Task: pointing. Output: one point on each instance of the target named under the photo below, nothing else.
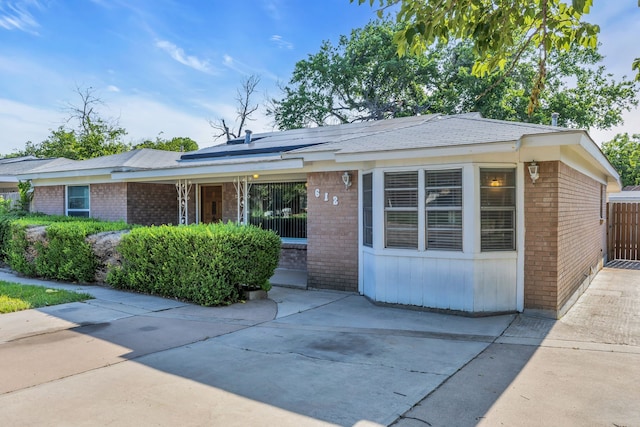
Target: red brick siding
(541, 243)
(108, 201)
(157, 204)
(564, 236)
(580, 231)
(332, 232)
(229, 202)
(49, 200)
(293, 256)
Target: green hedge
(205, 264)
(64, 255)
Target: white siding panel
(369, 274)
(495, 285)
(447, 283)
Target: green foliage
(578, 88)
(361, 78)
(98, 139)
(500, 30)
(623, 152)
(16, 297)
(173, 144)
(64, 254)
(205, 264)
(17, 249)
(26, 195)
(5, 205)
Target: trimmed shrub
(206, 264)
(53, 247)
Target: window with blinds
(367, 209)
(497, 209)
(401, 209)
(443, 205)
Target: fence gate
(623, 233)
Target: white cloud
(112, 88)
(179, 55)
(21, 123)
(280, 42)
(246, 69)
(273, 9)
(16, 16)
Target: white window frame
(499, 208)
(66, 201)
(421, 212)
(448, 208)
(388, 207)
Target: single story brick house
(457, 213)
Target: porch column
(242, 186)
(183, 187)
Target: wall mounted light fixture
(346, 179)
(534, 172)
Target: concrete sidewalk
(582, 370)
(319, 358)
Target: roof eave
(459, 150)
(190, 171)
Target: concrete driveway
(316, 358)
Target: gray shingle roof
(140, 159)
(18, 165)
(442, 131)
(284, 141)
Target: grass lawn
(16, 297)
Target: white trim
(520, 236)
(209, 171)
(458, 150)
(360, 231)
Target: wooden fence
(623, 234)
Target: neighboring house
(431, 211)
(12, 166)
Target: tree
(623, 152)
(500, 30)
(244, 110)
(93, 136)
(361, 78)
(174, 144)
(578, 88)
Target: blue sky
(170, 65)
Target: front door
(211, 203)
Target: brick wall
(108, 201)
(541, 243)
(580, 231)
(49, 200)
(332, 232)
(564, 235)
(157, 204)
(229, 202)
(293, 256)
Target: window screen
(443, 204)
(367, 210)
(401, 209)
(497, 209)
